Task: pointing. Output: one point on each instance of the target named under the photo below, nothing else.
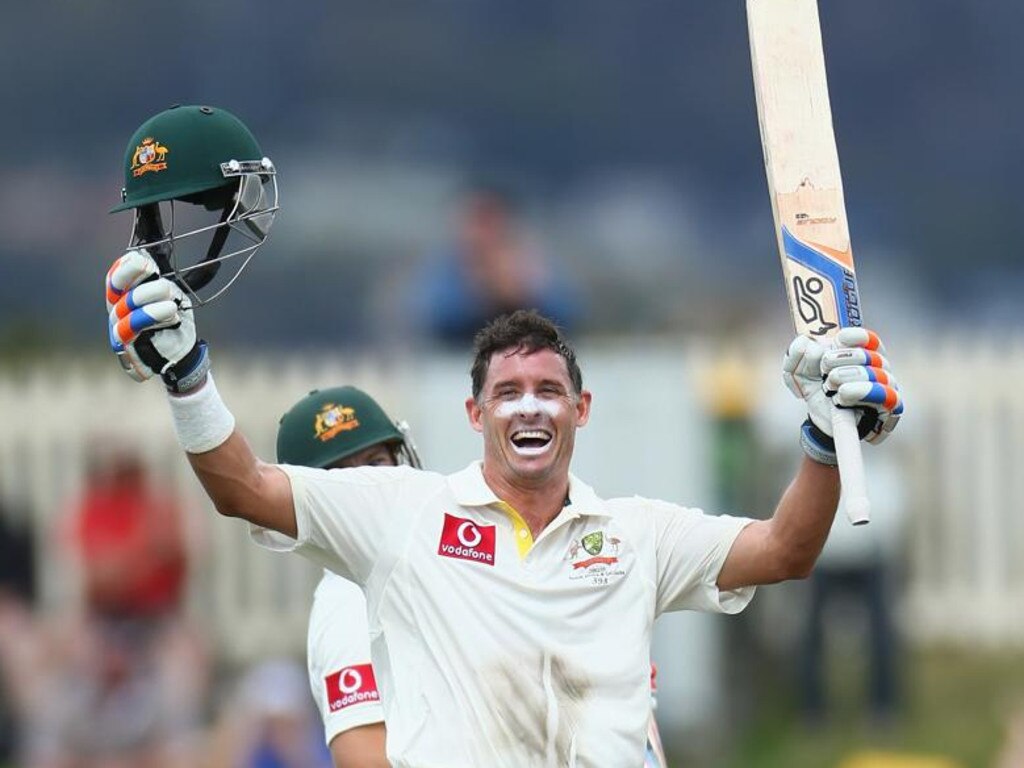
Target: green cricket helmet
(329, 425)
(207, 158)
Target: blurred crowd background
(441, 162)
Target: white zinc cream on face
(529, 405)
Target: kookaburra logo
(810, 308)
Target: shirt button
(523, 533)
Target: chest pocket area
(599, 557)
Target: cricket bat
(806, 191)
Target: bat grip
(851, 465)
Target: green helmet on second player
(206, 157)
(329, 425)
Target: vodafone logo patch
(351, 685)
(465, 540)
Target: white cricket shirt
(341, 677)
(494, 649)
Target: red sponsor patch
(465, 540)
(351, 685)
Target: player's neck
(538, 504)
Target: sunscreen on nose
(528, 405)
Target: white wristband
(201, 419)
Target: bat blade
(805, 185)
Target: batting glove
(151, 325)
(851, 372)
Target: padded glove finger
(127, 271)
(150, 306)
(151, 326)
(852, 372)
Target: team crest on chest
(595, 557)
(593, 543)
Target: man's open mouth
(531, 441)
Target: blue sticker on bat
(808, 291)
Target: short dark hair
(527, 331)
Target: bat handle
(851, 465)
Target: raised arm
(787, 545)
(152, 330)
(241, 485)
(854, 373)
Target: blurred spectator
(128, 680)
(270, 721)
(491, 267)
(858, 570)
(129, 538)
(18, 631)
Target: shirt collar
(471, 490)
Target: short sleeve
(338, 643)
(347, 519)
(691, 547)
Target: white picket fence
(964, 454)
(960, 450)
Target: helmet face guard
(181, 166)
(407, 451)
